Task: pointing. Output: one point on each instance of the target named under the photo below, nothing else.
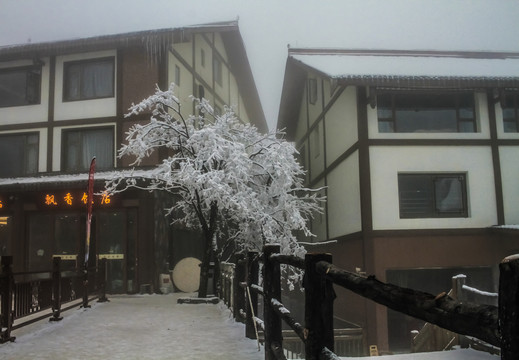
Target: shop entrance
(113, 237)
(116, 240)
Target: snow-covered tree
(225, 173)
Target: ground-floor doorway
(113, 237)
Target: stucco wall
(509, 156)
(475, 161)
(344, 198)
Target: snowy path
(136, 327)
(155, 327)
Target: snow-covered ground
(136, 327)
(155, 327)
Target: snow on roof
(506, 227)
(163, 36)
(336, 64)
(67, 178)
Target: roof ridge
(476, 54)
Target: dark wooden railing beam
(480, 321)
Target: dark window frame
(27, 152)
(510, 104)
(33, 74)
(202, 57)
(177, 75)
(431, 208)
(82, 63)
(312, 91)
(388, 115)
(65, 142)
(218, 70)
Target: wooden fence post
(6, 296)
(509, 307)
(56, 289)
(457, 287)
(271, 290)
(319, 297)
(85, 287)
(101, 278)
(240, 271)
(252, 278)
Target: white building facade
(419, 154)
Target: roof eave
(143, 38)
(291, 96)
(443, 82)
(240, 65)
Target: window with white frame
(79, 146)
(432, 195)
(19, 154)
(89, 79)
(20, 86)
(426, 111)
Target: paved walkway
(136, 327)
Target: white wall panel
(341, 125)
(344, 198)
(476, 162)
(83, 109)
(29, 113)
(510, 178)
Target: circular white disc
(186, 274)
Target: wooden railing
(26, 297)
(498, 326)
(433, 338)
(240, 291)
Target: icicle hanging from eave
(156, 45)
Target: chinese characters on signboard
(70, 199)
(61, 200)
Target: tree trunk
(204, 268)
(480, 321)
(209, 230)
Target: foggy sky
(268, 26)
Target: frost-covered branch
(224, 172)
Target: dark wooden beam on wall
(496, 160)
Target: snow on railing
(479, 292)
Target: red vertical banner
(90, 200)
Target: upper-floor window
(177, 75)
(202, 57)
(312, 90)
(80, 145)
(217, 70)
(20, 86)
(426, 112)
(511, 113)
(19, 154)
(88, 79)
(432, 195)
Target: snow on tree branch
(222, 168)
